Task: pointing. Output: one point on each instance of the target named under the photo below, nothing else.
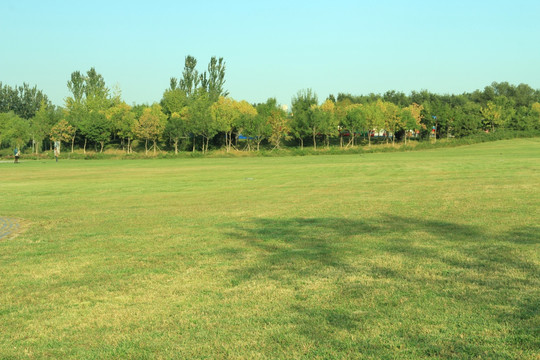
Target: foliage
(62, 131)
(303, 123)
(23, 100)
(122, 121)
(150, 125)
(14, 130)
(87, 106)
(40, 125)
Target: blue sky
(272, 48)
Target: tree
(257, 126)
(214, 82)
(278, 121)
(122, 120)
(200, 119)
(246, 112)
(391, 114)
(340, 113)
(190, 77)
(62, 132)
(40, 126)
(536, 115)
(23, 100)
(374, 118)
(176, 127)
(89, 102)
(355, 120)
(492, 114)
(98, 128)
(150, 126)
(14, 130)
(468, 120)
(410, 119)
(175, 105)
(328, 121)
(225, 113)
(302, 123)
(174, 101)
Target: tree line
(196, 113)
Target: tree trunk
(314, 142)
(369, 138)
(72, 143)
(146, 147)
(340, 140)
(176, 146)
(154, 147)
(129, 146)
(301, 144)
(102, 145)
(84, 149)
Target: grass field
(390, 255)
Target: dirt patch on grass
(11, 227)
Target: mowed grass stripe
(401, 255)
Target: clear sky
(272, 48)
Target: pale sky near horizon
(272, 48)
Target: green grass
(387, 255)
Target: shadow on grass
(465, 258)
(296, 246)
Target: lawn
(387, 255)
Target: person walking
(56, 150)
(17, 154)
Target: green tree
(340, 113)
(246, 114)
(40, 126)
(215, 80)
(355, 121)
(391, 114)
(200, 119)
(23, 100)
(190, 77)
(89, 102)
(328, 120)
(177, 128)
(175, 105)
(302, 122)
(122, 120)
(98, 129)
(374, 117)
(258, 126)
(14, 130)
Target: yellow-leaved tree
(150, 126)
